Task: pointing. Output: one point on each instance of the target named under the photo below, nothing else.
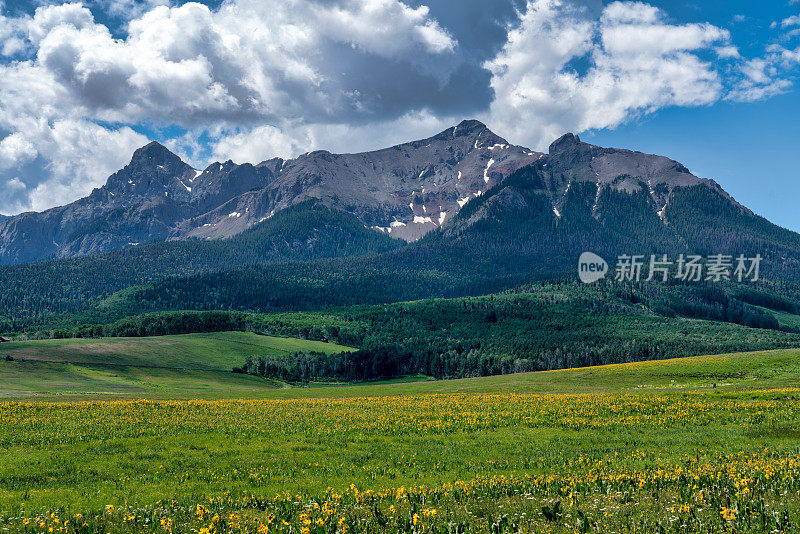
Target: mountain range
(461, 213)
(405, 191)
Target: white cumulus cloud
(794, 20)
(71, 93)
(565, 70)
(247, 61)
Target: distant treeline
(158, 324)
(716, 302)
(361, 365)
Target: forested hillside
(508, 237)
(550, 326)
(39, 291)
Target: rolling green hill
(742, 371)
(179, 365)
(544, 328)
(541, 327)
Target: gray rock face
(404, 191)
(571, 161)
(154, 171)
(96, 223)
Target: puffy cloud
(727, 52)
(248, 61)
(787, 57)
(634, 63)
(794, 20)
(15, 150)
(756, 71)
(15, 184)
(11, 35)
(50, 18)
(383, 27)
(227, 70)
(44, 145)
(47, 146)
(258, 144)
(264, 142)
(65, 160)
(128, 9)
(13, 191)
(80, 156)
(343, 137)
(766, 76)
(641, 33)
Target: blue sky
(750, 148)
(711, 84)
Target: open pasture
(649, 458)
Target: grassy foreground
(647, 447)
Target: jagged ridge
(404, 191)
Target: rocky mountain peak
(468, 132)
(154, 152)
(468, 126)
(563, 143)
(153, 171)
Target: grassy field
(199, 366)
(190, 365)
(642, 447)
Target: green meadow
(699, 444)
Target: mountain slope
(581, 197)
(304, 232)
(147, 190)
(405, 191)
(529, 227)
